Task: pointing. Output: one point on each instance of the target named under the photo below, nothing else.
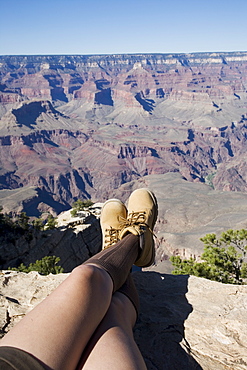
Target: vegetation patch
(80, 205)
(223, 259)
(45, 266)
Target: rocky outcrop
(187, 212)
(28, 116)
(191, 323)
(72, 246)
(184, 323)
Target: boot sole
(153, 223)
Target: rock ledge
(185, 322)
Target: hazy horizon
(114, 54)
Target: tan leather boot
(113, 214)
(142, 215)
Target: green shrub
(51, 223)
(22, 221)
(9, 225)
(209, 179)
(38, 224)
(223, 258)
(80, 205)
(45, 266)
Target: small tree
(223, 258)
(22, 221)
(45, 266)
(38, 224)
(80, 205)
(51, 223)
(6, 220)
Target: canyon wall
(98, 126)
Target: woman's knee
(91, 274)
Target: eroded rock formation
(73, 123)
(72, 246)
(98, 126)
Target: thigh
(57, 330)
(113, 346)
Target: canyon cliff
(99, 126)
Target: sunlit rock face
(99, 126)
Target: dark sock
(129, 289)
(118, 259)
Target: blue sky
(116, 27)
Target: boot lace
(111, 237)
(137, 219)
(134, 219)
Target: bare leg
(112, 346)
(57, 330)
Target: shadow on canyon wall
(73, 248)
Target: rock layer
(98, 126)
(70, 164)
(80, 126)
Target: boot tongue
(128, 230)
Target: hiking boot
(142, 215)
(113, 214)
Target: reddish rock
(91, 124)
(9, 98)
